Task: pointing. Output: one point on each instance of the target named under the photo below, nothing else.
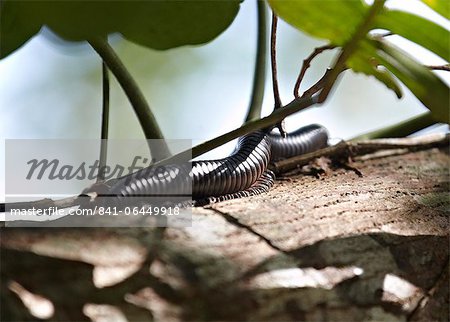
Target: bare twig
(350, 148)
(105, 123)
(317, 86)
(295, 106)
(307, 100)
(273, 60)
(307, 64)
(445, 67)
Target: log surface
(365, 242)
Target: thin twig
(273, 60)
(146, 118)
(445, 67)
(307, 64)
(345, 149)
(294, 106)
(317, 86)
(105, 123)
(259, 77)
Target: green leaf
(364, 61)
(15, 28)
(440, 6)
(416, 29)
(334, 20)
(339, 20)
(157, 24)
(423, 83)
(170, 24)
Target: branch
(319, 85)
(273, 61)
(146, 118)
(344, 149)
(307, 64)
(105, 123)
(351, 47)
(259, 78)
(296, 105)
(277, 115)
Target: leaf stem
(402, 129)
(259, 78)
(306, 64)
(145, 116)
(105, 123)
(351, 46)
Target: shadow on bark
(378, 275)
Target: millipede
(244, 173)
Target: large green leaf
(363, 61)
(425, 85)
(158, 24)
(15, 28)
(416, 29)
(440, 6)
(334, 20)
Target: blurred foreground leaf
(155, 24)
(422, 82)
(440, 6)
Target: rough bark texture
(366, 242)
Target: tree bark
(333, 240)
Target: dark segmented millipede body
(242, 173)
(304, 140)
